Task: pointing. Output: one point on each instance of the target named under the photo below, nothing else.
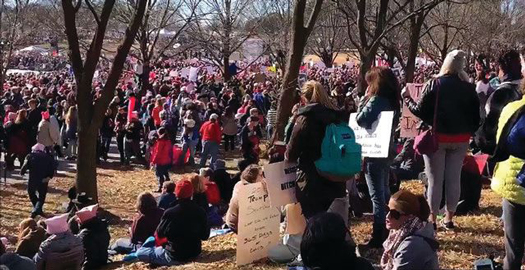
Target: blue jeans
(209, 148)
(188, 145)
(376, 175)
(155, 256)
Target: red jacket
(156, 116)
(161, 152)
(211, 132)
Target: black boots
(379, 235)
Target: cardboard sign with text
(280, 180)
(258, 224)
(375, 142)
(409, 121)
(295, 220)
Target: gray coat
(418, 251)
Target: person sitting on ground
(407, 165)
(95, 237)
(30, 237)
(223, 180)
(324, 245)
(241, 166)
(41, 166)
(14, 261)
(60, 241)
(168, 195)
(411, 243)
(184, 226)
(161, 157)
(144, 224)
(199, 191)
(252, 174)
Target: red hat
(184, 189)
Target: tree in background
(91, 108)
(301, 30)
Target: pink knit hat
(57, 224)
(45, 115)
(87, 213)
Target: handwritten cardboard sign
(184, 72)
(258, 224)
(375, 142)
(295, 220)
(409, 121)
(193, 74)
(280, 180)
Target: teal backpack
(340, 154)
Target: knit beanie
(184, 189)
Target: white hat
(38, 148)
(214, 116)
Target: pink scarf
(395, 238)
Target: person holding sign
(450, 104)
(315, 193)
(383, 94)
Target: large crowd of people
(182, 120)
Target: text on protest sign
(280, 180)
(409, 121)
(258, 224)
(375, 142)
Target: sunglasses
(394, 214)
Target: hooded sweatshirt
(418, 251)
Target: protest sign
(280, 180)
(409, 121)
(173, 73)
(375, 142)
(258, 224)
(193, 74)
(184, 72)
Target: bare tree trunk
(327, 58)
(367, 60)
(226, 68)
(300, 35)
(416, 23)
(86, 165)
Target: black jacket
(185, 225)
(314, 192)
(486, 136)
(458, 105)
(40, 165)
(223, 180)
(95, 237)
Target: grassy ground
(478, 235)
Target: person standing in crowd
(508, 180)
(155, 114)
(71, 133)
(120, 129)
(383, 94)
(48, 134)
(34, 117)
(184, 225)
(134, 133)
(251, 136)
(161, 156)
(272, 120)
(107, 131)
(41, 166)
(507, 91)
(315, 193)
(411, 243)
(457, 118)
(229, 129)
(190, 138)
(324, 245)
(17, 141)
(211, 139)
(144, 224)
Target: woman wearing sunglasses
(411, 243)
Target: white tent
(34, 49)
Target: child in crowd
(168, 198)
(161, 157)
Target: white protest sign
(184, 72)
(258, 224)
(409, 121)
(210, 69)
(375, 142)
(193, 74)
(173, 73)
(280, 180)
